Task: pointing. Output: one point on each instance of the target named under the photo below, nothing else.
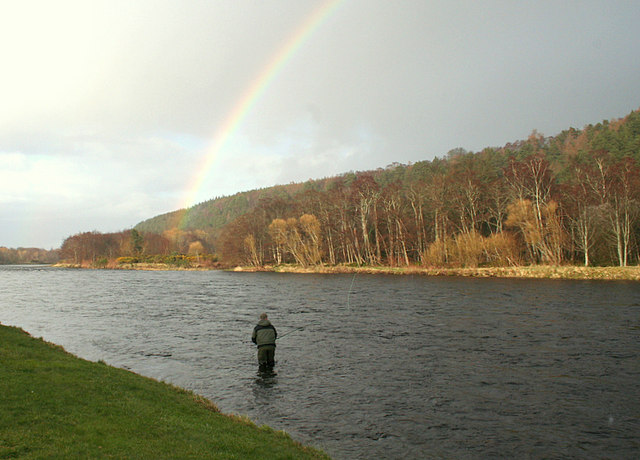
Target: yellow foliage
(469, 248)
(196, 248)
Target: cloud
(109, 107)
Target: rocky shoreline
(524, 272)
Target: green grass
(55, 405)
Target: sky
(112, 112)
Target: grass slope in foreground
(55, 405)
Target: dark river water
(372, 366)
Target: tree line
(13, 256)
(573, 198)
(173, 247)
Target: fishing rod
(287, 333)
(294, 330)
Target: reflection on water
(372, 366)
(266, 373)
(264, 382)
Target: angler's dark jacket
(264, 334)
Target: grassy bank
(55, 405)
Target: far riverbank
(524, 272)
(534, 271)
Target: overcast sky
(110, 110)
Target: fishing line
(287, 333)
(349, 294)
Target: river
(371, 366)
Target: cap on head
(263, 316)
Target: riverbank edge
(569, 272)
(51, 394)
(525, 272)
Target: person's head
(263, 316)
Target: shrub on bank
(173, 260)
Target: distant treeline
(573, 198)
(9, 256)
(175, 247)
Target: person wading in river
(264, 336)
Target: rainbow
(253, 93)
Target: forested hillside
(571, 198)
(213, 215)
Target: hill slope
(214, 214)
(620, 137)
